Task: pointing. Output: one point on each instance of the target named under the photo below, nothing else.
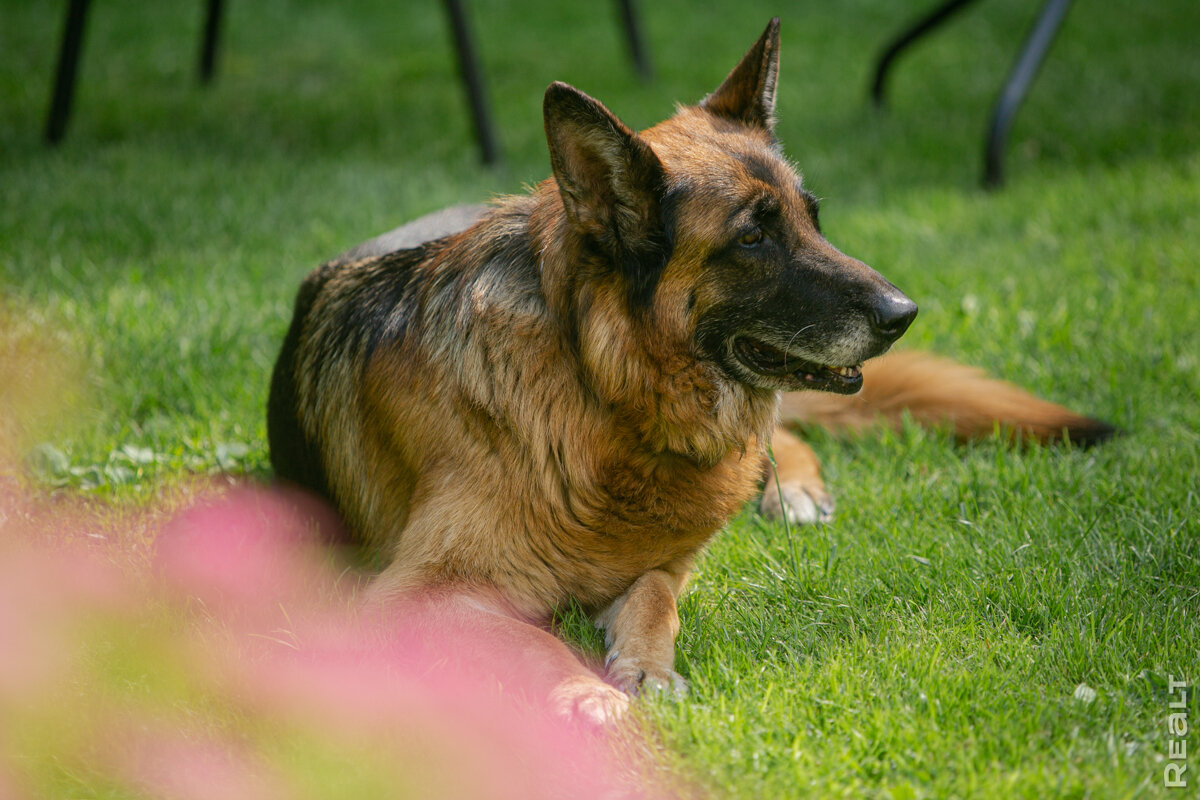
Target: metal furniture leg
(464, 45)
(476, 93)
(208, 46)
(1019, 79)
(929, 22)
(633, 33)
(68, 68)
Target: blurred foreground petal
(242, 667)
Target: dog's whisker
(788, 349)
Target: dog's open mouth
(765, 359)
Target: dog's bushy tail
(937, 391)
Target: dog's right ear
(610, 180)
(748, 93)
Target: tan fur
(936, 391)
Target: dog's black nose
(892, 315)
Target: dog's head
(708, 224)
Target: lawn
(978, 621)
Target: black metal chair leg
(68, 68)
(1019, 79)
(476, 93)
(633, 33)
(923, 26)
(208, 46)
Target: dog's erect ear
(748, 93)
(610, 180)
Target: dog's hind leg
(640, 628)
(794, 487)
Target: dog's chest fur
(564, 483)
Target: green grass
(930, 642)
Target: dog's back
(295, 456)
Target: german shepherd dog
(563, 396)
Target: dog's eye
(751, 238)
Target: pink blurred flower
(172, 763)
(242, 667)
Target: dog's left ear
(611, 184)
(748, 93)
(609, 178)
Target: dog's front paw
(588, 700)
(800, 504)
(634, 676)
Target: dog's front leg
(640, 628)
(482, 636)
